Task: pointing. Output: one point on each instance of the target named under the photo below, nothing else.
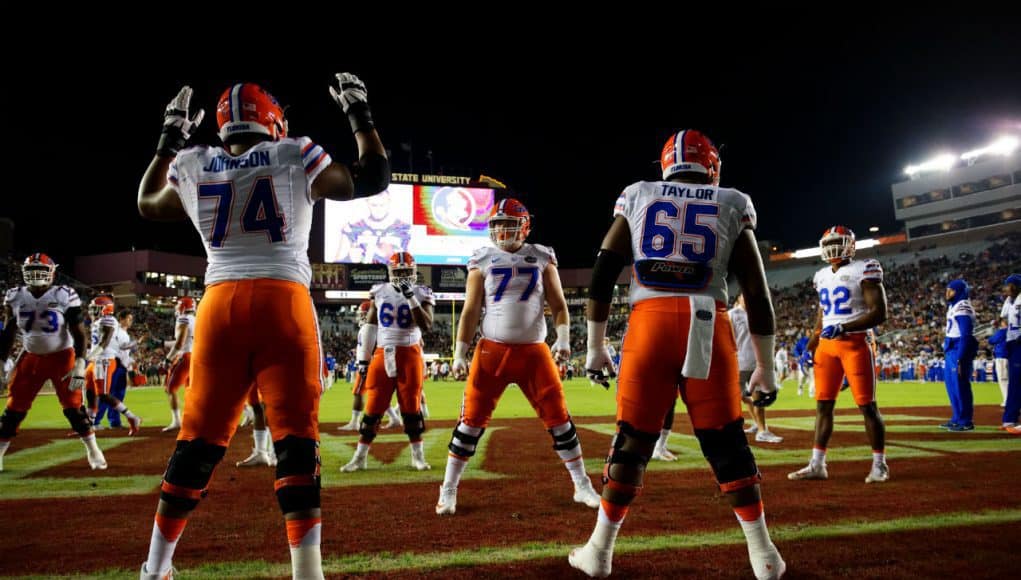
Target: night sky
(815, 127)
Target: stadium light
(1003, 146)
(874, 229)
(816, 251)
(941, 162)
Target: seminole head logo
(454, 208)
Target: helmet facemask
(836, 248)
(38, 274)
(507, 233)
(403, 275)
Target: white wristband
(596, 334)
(764, 350)
(413, 302)
(460, 349)
(564, 333)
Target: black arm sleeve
(7, 337)
(370, 174)
(73, 319)
(604, 275)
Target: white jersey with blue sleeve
(958, 309)
(188, 319)
(112, 347)
(515, 295)
(393, 314)
(840, 293)
(682, 235)
(253, 211)
(41, 320)
(1013, 309)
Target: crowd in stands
(913, 334)
(914, 331)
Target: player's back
(188, 319)
(253, 210)
(112, 347)
(682, 236)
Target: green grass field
(583, 400)
(593, 407)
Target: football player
(49, 319)
(251, 202)
(513, 279)
(852, 300)
(390, 357)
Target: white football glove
(460, 366)
(177, 125)
(76, 376)
(597, 361)
(352, 90)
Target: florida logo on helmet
(248, 108)
(509, 225)
(39, 270)
(836, 245)
(689, 151)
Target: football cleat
(586, 494)
(812, 471)
(447, 504)
(594, 562)
(255, 459)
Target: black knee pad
(414, 425)
(369, 427)
(459, 439)
(728, 453)
(618, 455)
(79, 420)
(9, 423)
(297, 485)
(624, 492)
(567, 440)
(188, 473)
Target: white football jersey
(188, 319)
(393, 315)
(682, 235)
(515, 295)
(960, 308)
(124, 346)
(1013, 316)
(780, 358)
(254, 211)
(94, 333)
(41, 320)
(840, 294)
(114, 346)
